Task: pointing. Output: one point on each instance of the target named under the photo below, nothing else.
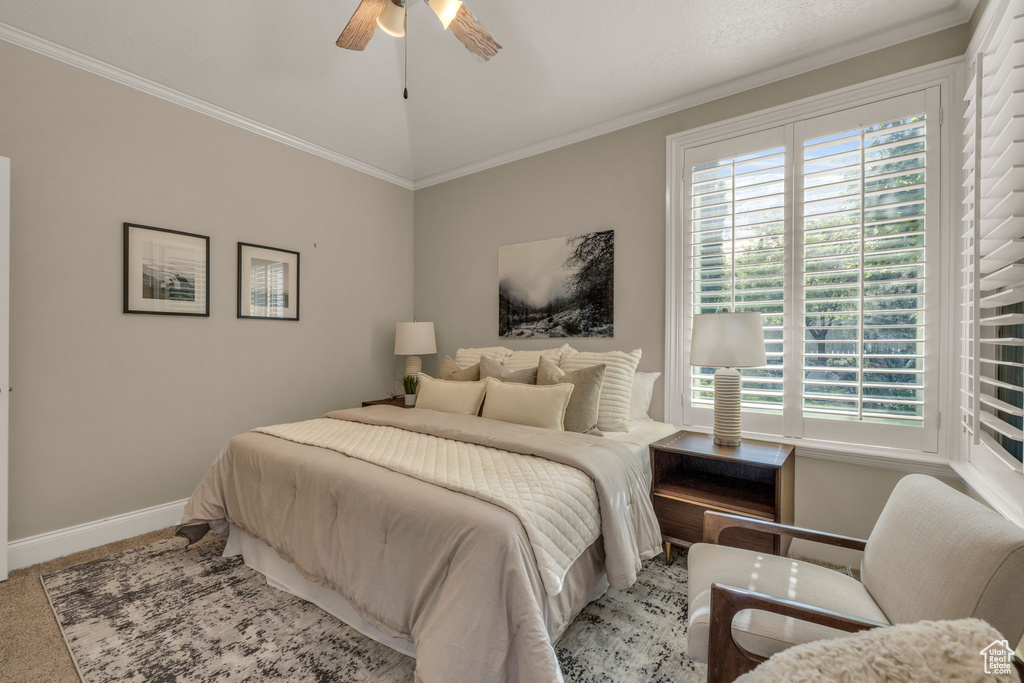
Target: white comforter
(557, 504)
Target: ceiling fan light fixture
(392, 19)
(445, 10)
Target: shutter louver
(992, 340)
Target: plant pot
(410, 400)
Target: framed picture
(563, 287)
(166, 272)
(268, 282)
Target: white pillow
(521, 360)
(528, 404)
(613, 413)
(467, 357)
(450, 396)
(643, 392)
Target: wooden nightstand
(691, 474)
(398, 401)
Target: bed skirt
(283, 575)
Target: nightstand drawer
(683, 522)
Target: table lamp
(727, 341)
(412, 339)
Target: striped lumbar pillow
(613, 411)
(520, 360)
(468, 357)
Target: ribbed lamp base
(413, 366)
(727, 407)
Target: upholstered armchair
(934, 554)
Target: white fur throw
(928, 651)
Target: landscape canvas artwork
(558, 288)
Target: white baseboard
(44, 547)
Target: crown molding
(954, 16)
(47, 48)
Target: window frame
(942, 250)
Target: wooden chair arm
(727, 659)
(717, 522)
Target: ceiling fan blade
(361, 26)
(475, 37)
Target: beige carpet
(31, 646)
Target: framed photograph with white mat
(268, 282)
(166, 272)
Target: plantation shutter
(734, 224)
(992, 331)
(827, 227)
(866, 189)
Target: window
(826, 226)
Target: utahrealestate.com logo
(998, 658)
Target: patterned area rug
(159, 613)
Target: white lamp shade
(392, 19)
(445, 10)
(412, 339)
(727, 340)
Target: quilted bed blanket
(556, 503)
(455, 532)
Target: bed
(448, 537)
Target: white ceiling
(566, 66)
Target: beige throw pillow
(528, 405)
(613, 415)
(520, 360)
(492, 368)
(448, 396)
(581, 413)
(467, 357)
(450, 370)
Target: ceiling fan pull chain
(405, 44)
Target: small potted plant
(411, 383)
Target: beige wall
(617, 181)
(112, 413)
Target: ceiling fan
(389, 15)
